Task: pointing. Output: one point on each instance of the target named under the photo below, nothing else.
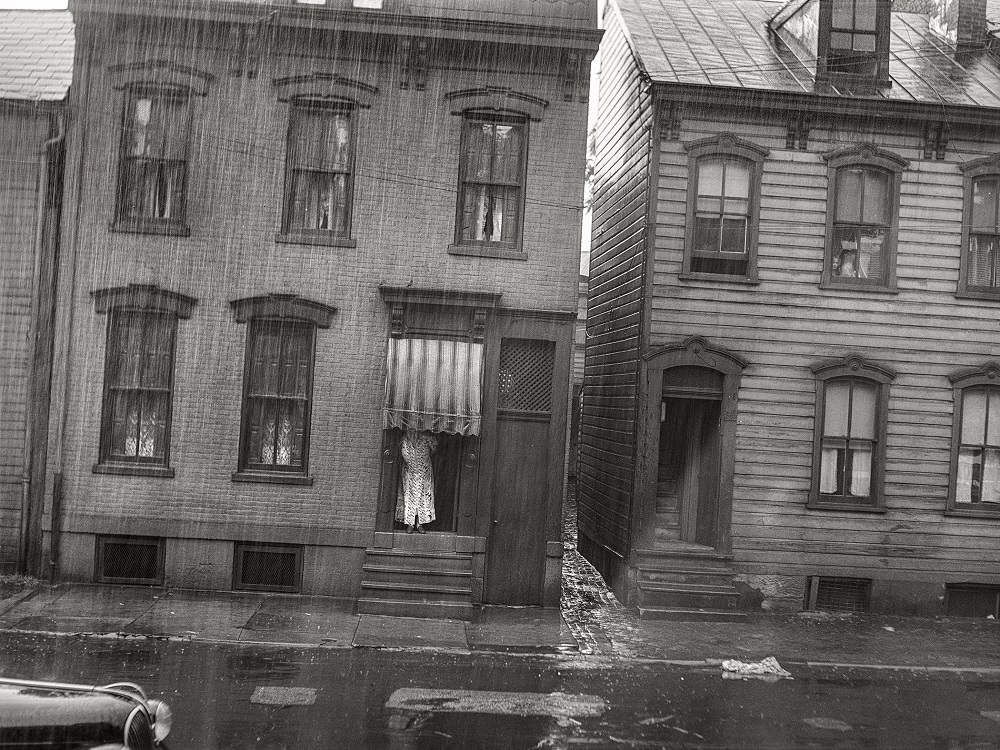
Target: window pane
(265, 353)
(841, 40)
(156, 127)
(507, 165)
(860, 462)
(710, 177)
(863, 43)
(836, 408)
(125, 341)
(876, 208)
(707, 234)
(737, 180)
(709, 205)
(490, 213)
(969, 473)
(843, 14)
(296, 360)
(993, 419)
(864, 15)
(984, 204)
(138, 424)
(152, 188)
(478, 151)
(276, 431)
(319, 201)
(871, 255)
(983, 260)
(831, 475)
(844, 262)
(322, 140)
(863, 411)
(734, 235)
(849, 195)
(973, 417)
(157, 351)
(991, 477)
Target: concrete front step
(406, 575)
(710, 576)
(419, 560)
(405, 608)
(417, 591)
(683, 555)
(681, 614)
(687, 599)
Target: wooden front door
(516, 551)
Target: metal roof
(727, 43)
(36, 54)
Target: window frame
(985, 377)
(303, 235)
(486, 248)
(971, 171)
(148, 300)
(852, 368)
(867, 157)
(123, 221)
(880, 55)
(278, 308)
(724, 146)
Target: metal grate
(138, 731)
(129, 560)
(267, 567)
(840, 594)
(972, 600)
(525, 378)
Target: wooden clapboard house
(792, 381)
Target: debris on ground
(768, 667)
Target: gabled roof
(36, 54)
(727, 43)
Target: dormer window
(854, 41)
(852, 37)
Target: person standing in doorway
(415, 502)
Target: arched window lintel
(866, 154)
(143, 297)
(987, 374)
(726, 144)
(283, 306)
(160, 74)
(496, 99)
(699, 352)
(321, 86)
(853, 366)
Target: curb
(10, 602)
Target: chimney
(961, 22)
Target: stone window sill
(151, 226)
(305, 238)
(266, 477)
(486, 251)
(138, 470)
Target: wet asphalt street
(232, 696)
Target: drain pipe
(44, 166)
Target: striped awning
(434, 385)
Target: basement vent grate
(129, 559)
(268, 567)
(972, 600)
(839, 594)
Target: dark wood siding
(614, 312)
(788, 323)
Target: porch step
(402, 575)
(417, 592)
(404, 608)
(687, 596)
(416, 581)
(691, 615)
(692, 574)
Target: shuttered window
(276, 404)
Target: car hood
(29, 706)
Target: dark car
(36, 714)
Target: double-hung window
(320, 167)
(138, 378)
(153, 168)
(975, 472)
(723, 203)
(862, 209)
(850, 435)
(277, 386)
(980, 271)
(491, 190)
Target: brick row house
(792, 378)
(36, 53)
(324, 271)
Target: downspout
(44, 166)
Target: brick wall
(403, 219)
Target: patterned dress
(415, 503)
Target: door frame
(694, 351)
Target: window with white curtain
(977, 477)
(848, 443)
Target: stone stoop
(686, 583)
(416, 583)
